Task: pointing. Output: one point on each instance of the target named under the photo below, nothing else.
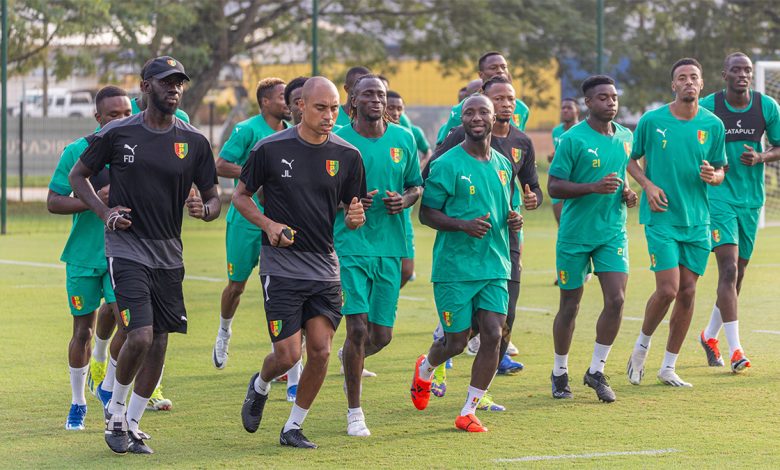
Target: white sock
(297, 416)
(472, 400)
(118, 401)
(732, 335)
(599, 359)
(560, 364)
(108, 381)
(713, 327)
(78, 379)
(100, 349)
(642, 342)
(261, 386)
(224, 326)
(135, 410)
(294, 374)
(670, 359)
(426, 369)
(355, 414)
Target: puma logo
(594, 151)
(662, 132)
(288, 163)
(132, 149)
(467, 178)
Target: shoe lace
(712, 343)
(486, 400)
(157, 393)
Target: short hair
(293, 85)
(383, 78)
(109, 91)
(569, 98)
(595, 80)
(265, 86)
(352, 110)
(495, 81)
(686, 61)
(355, 72)
(463, 90)
(485, 57)
(393, 94)
(731, 56)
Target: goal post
(766, 79)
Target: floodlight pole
(599, 36)
(4, 119)
(315, 7)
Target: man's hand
(750, 157)
(394, 202)
(608, 184)
(356, 216)
(195, 205)
(515, 221)
(707, 172)
(117, 218)
(103, 194)
(279, 235)
(478, 227)
(368, 200)
(629, 196)
(656, 198)
(530, 201)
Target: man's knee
(381, 337)
(235, 288)
(666, 292)
(357, 328)
(613, 302)
(728, 274)
(140, 339)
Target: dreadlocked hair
(352, 110)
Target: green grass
(724, 420)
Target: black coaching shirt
(518, 148)
(151, 172)
(303, 185)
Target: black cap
(161, 67)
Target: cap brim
(168, 73)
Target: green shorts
(573, 260)
(409, 229)
(242, 244)
(733, 225)
(371, 284)
(458, 301)
(86, 287)
(556, 201)
(671, 246)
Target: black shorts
(290, 303)
(148, 297)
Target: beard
(162, 105)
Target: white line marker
(536, 458)
(532, 309)
(413, 299)
(33, 264)
(771, 332)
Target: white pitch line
(533, 309)
(536, 458)
(34, 264)
(413, 299)
(771, 332)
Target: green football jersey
(557, 132)
(744, 185)
(465, 188)
(586, 156)
(674, 150)
(236, 150)
(391, 164)
(419, 138)
(519, 118)
(85, 246)
(342, 119)
(180, 113)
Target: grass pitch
(724, 420)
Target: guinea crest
(181, 149)
(517, 154)
(516, 119)
(275, 326)
(503, 176)
(627, 148)
(716, 236)
(396, 154)
(76, 302)
(447, 317)
(701, 136)
(332, 167)
(125, 316)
